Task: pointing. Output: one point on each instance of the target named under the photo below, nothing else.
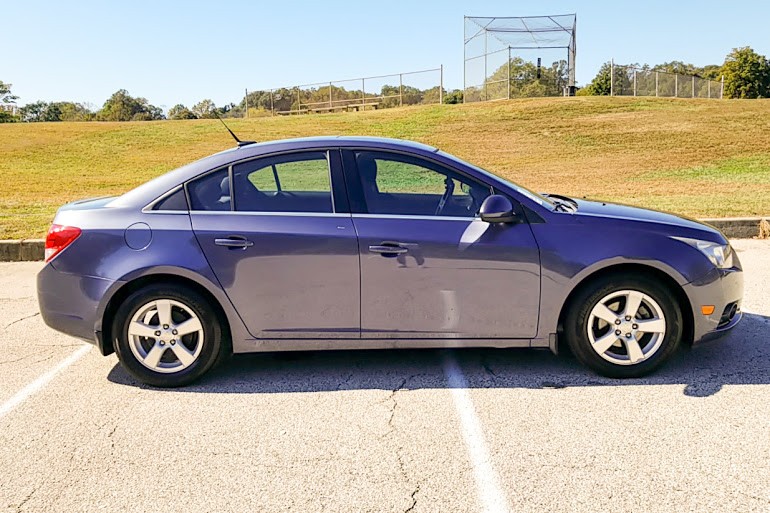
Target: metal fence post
(612, 77)
(709, 86)
(722, 91)
(676, 86)
(330, 95)
(656, 84)
(363, 92)
(486, 96)
(247, 103)
(693, 86)
(509, 72)
(401, 90)
(272, 109)
(634, 82)
(441, 85)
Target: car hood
(625, 212)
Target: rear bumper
(70, 303)
(723, 289)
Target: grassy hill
(703, 158)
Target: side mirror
(497, 209)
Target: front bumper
(71, 303)
(723, 289)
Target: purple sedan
(368, 243)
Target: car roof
(148, 191)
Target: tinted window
(403, 185)
(174, 201)
(210, 192)
(297, 182)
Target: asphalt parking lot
(476, 430)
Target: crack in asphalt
(28, 497)
(22, 319)
(399, 449)
(28, 356)
(414, 499)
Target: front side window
(296, 182)
(403, 185)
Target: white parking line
(26, 392)
(487, 479)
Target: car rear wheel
(622, 326)
(167, 335)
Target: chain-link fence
(632, 81)
(367, 93)
(519, 57)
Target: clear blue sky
(183, 51)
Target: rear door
(279, 236)
(430, 268)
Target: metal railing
(633, 81)
(382, 91)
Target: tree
(747, 74)
(121, 106)
(604, 82)
(32, 112)
(181, 112)
(453, 97)
(7, 97)
(204, 109)
(55, 111)
(5, 93)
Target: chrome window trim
(167, 212)
(273, 214)
(423, 217)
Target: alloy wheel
(626, 327)
(165, 336)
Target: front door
(429, 267)
(282, 244)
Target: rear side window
(176, 201)
(210, 192)
(297, 182)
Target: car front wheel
(623, 327)
(167, 335)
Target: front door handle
(234, 242)
(389, 248)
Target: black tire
(579, 310)
(215, 347)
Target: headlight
(721, 255)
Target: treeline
(121, 106)
(746, 74)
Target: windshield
(537, 198)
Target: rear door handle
(234, 242)
(389, 248)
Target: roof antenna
(240, 143)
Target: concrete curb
(34, 249)
(22, 250)
(738, 227)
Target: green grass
(702, 158)
(739, 170)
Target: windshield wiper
(562, 203)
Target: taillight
(59, 237)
